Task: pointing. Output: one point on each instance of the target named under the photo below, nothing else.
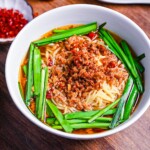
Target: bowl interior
(73, 14)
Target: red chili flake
(73, 51)
(50, 62)
(11, 22)
(35, 14)
(77, 63)
(92, 35)
(112, 64)
(61, 85)
(49, 94)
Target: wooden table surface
(18, 133)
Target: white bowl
(20, 5)
(73, 14)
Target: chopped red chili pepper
(49, 94)
(74, 51)
(112, 64)
(36, 14)
(50, 62)
(92, 35)
(11, 22)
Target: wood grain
(18, 133)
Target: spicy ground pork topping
(78, 66)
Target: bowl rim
(33, 119)
(4, 40)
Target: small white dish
(77, 14)
(20, 5)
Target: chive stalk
(85, 125)
(80, 114)
(102, 25)
(131, 100)
(101, 119)
(139, 67)
(72, 121)
(37, 75)
(49, 111)
(110, 112)
(85, 120)
(20, 89)
(40, 105)
(44, 95)
(91, 125)
(131, 60)
(140, 57)
(29, 76)
(50, 121)
(81, 30)
(120, 54)
(58, 30)
(37, 70)
(66, 126)
(25, 70)
(122, 102)
(84, 114)
(101, 112)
